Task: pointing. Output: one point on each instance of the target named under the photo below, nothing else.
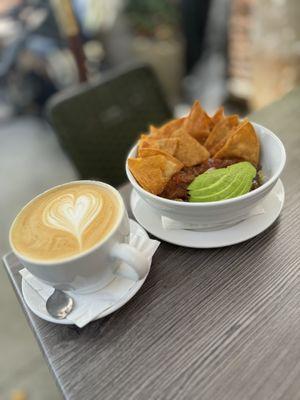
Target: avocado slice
(212, 187)
(222, 183)
(243, 188)
(220, 193)
(208, 176)
(239, 189)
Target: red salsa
(176, 188)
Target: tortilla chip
(198, 123)
(167, 145)
(166, 130)
(218, 115)
(189, 151)
(148, 152)
(153, 131)
(242, 143)
(153, 172)
(220, 133)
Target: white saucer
(38, 307)
(244, 230)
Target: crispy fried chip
(154, 131)
(218, 115)
(198, 123)
(153, 172)
(167, 145)
(242, 143)
(189, 141)
(189, 151)
(148, 152)
(220, 133)
(166, 130)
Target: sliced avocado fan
(222, 183)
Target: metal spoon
(59, 304)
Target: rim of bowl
(219, 202)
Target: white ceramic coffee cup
(95, 268)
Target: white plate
(37, 304)
(240, 232)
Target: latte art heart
(66, 221)
(72, 214)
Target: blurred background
(243, 54)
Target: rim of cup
(76, 256)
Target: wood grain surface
(221, 324)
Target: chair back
(97, 123)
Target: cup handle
(137, 265)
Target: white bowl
(222, 213)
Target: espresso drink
(65, 222)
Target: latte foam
(65, 221)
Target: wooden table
(219, 324)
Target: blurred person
(194, 23)
(207, 77)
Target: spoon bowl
(59, 304)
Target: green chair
(98, 122)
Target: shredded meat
(176, 188)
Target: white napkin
(90, 306)
(170, 224)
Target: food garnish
(223, 183)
